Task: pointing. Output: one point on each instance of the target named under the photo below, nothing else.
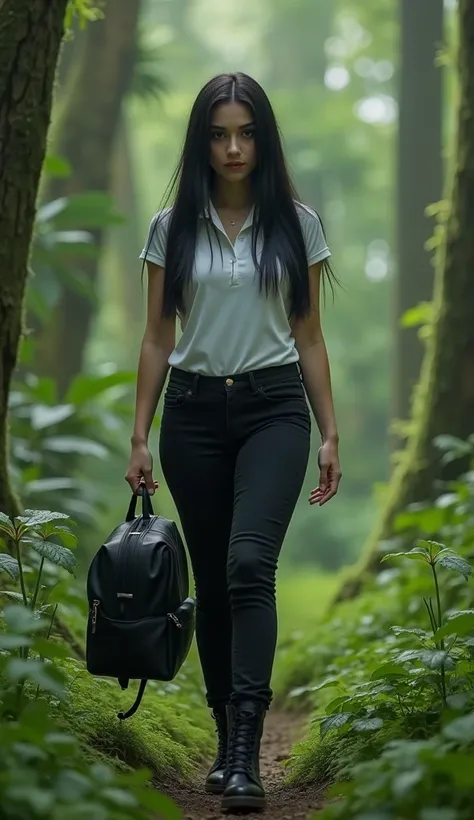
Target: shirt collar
(211, 213)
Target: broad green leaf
(455, 563)
(415, 554)
(334, 722)
(75, 444)
(50, 485)
(57, 554)
(389, 670)
(404, 782)
(44, 676)
(85, 388)
(12, 642)
(458, 701)
(329, 682)
(104, 774)
(43, 416)
(67, 536)
(418, 315)
(462, 623)
(400, 630)
(4, 519)
(72, 786)
(432, 658)
(447, 500)
(433, 547)
(34, 518)
(428, 520)
(39, 800)
(50, 210)
(453, 447)
(119, 797)
(21, 620)
(156, 802)
(51, 649)
(461, 729)
(298, 691)
(9, 565)
(16, 596)
(61, 739)
(92, 209)
(367, 724)
(458, 765)
(55, 166)
(334, 704)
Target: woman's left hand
(329, 474)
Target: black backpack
(141, 620)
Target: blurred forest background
(375, 101)
(343, 75)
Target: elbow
(308, 342)
(160, 345)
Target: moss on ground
(171, 733)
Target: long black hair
(275, 214)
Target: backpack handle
(147, 506)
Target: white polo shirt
(228, 326)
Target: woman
(240, 261)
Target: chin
(232, 175)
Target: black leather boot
(215, 780)
(243, 789)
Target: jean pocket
(283, 391)
(175, 397)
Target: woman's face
(233, 153)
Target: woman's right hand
(140, 469)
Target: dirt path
(281, 731)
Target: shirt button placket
(234, 279)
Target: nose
(234, 148)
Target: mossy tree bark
(85, 134)
(445, 395)
(420, 182)
(31, 32)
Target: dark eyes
(249, 133)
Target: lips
(234, 164)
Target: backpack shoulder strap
(133, 709)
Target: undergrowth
(64, 754)
(170, 734)
(389, 677)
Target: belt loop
(194, 388)
(300, 372)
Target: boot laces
(242, 744)
(221, 730)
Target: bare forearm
(152, 371)
(317, 380)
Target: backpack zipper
(175, 619)
(128, 561)
(95, 607)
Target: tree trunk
(85, 135)
(445, 396)
(127, 243)
(420, 181)
(31, 32)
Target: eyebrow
(222, 127)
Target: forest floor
(282, 730)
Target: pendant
(232, 223)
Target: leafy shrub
(391, 677)
(63, 753)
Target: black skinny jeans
(234, 454)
